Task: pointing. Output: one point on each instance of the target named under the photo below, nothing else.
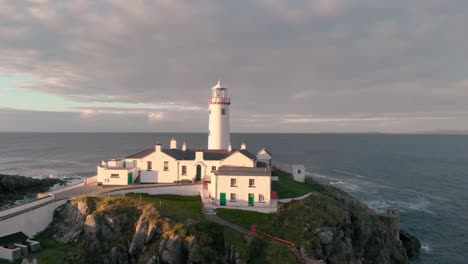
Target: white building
(229, 176)
(218, 128)
(298, 172)
(264, 158)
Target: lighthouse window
(223, 111)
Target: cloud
(322, 58)
(369, 119)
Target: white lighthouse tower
(218, 133)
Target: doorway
(198, 176)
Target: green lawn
(246, 218)
(176, 207)
(289, 188)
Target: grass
(287, 187)
(52, 252)
(176, 207)
(247, 218)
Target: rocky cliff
(13, 187)
(329, 225)
(113, 230)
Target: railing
(287, 243)
(219, 100)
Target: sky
(290, 66)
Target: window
(223, 111)
(184, 170)
(149, 165)
(233, 183)
(166, 165)
(233, 197)
(251, 182)
(298, 171)
(213, 168)
(261, 198)
(115, 175)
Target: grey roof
(141, 154)
(216, 154)
(243, 171)
(13, 238)
(179, 154)
(208, 154)
(248, 154)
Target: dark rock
(69, 227)
(410, 243)
(118, 255)
(14, 187)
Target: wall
(262, 186)
(300, 177)
(238, 159)
(219, 136)
(148, 176)
(263, 155)
(26, 206)
(193, 189)
(9, 254)
(104, 175)
(30, 222)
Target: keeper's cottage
(230, 177)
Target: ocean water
(425, 177)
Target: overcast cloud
(290, 66)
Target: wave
(425, 247)
(421, 205)
(349, 173)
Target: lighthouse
(218, 128)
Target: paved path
(218, 220)
(84, 190)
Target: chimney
(158, 147)
(173, 143)
(229, 147)
(243, 146)
(184, 147)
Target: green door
(222, 200)
(251, 199)
(198, 176)
(130, 177)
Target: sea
(425, 177)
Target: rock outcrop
(14, 187)
(410, 243)
(108, 235)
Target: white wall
(238, 159)
(298, 172)
(262, 186)
(104, 175)
(30, 222)
(193, 189)
(263, 155)
(219, 135)
(10, 254)
(148, 176)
